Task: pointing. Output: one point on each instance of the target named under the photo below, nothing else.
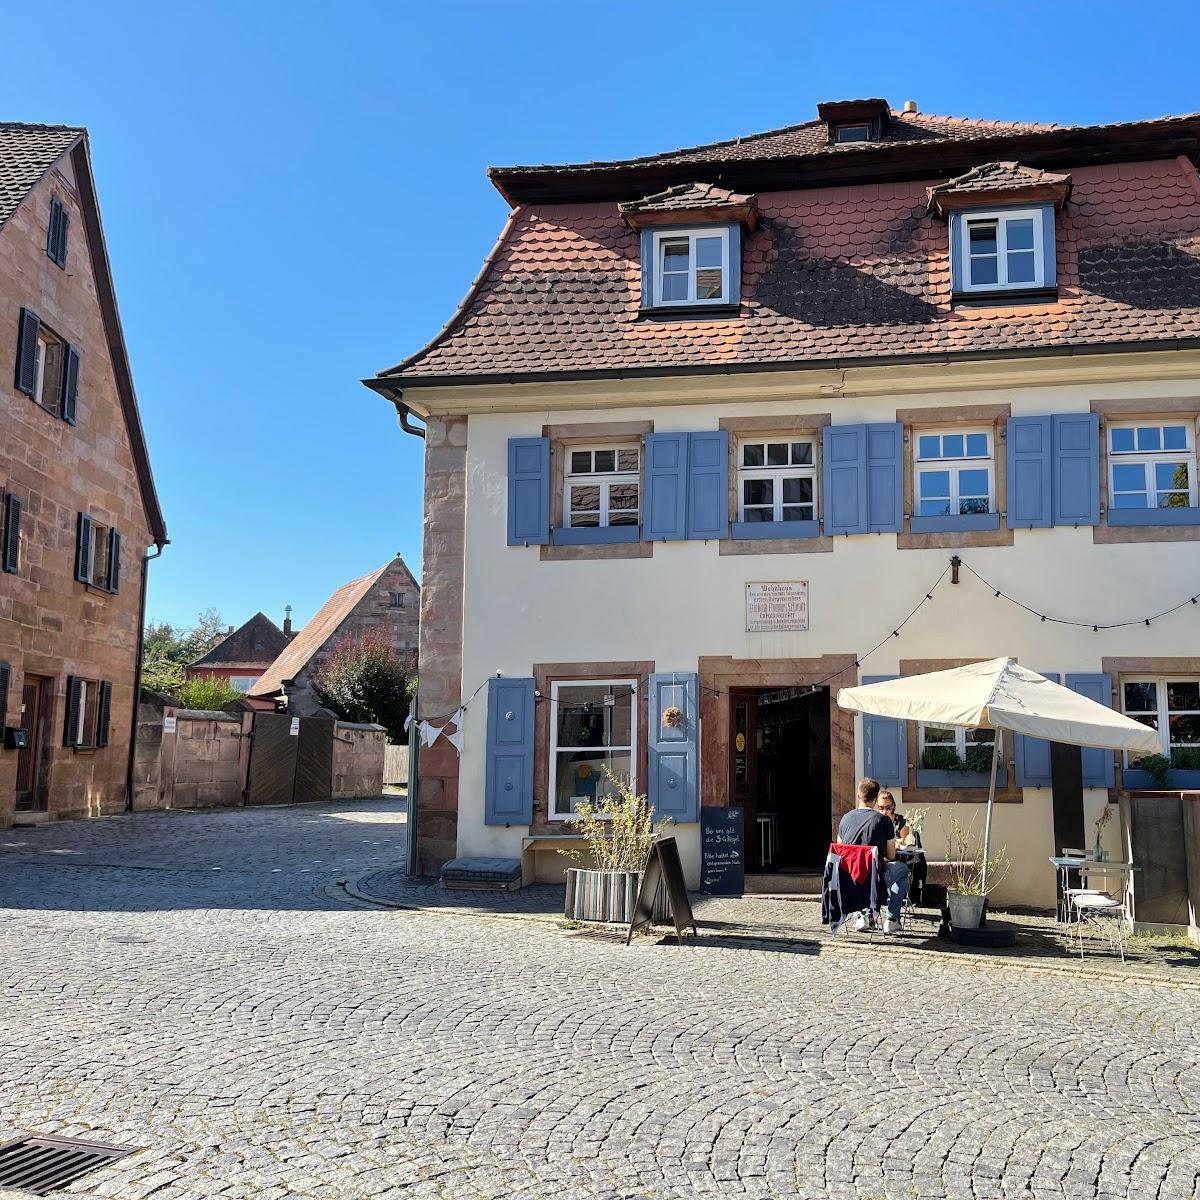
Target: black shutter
(103, 709)
(114, 561)
(5, 673)
(83, 548)
(10, 548)
(52, 229)
(27, 337)
(64, 219)
(71, 724)
(70, 384)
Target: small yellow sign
(740, 742)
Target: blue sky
(294, 197)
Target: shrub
(618, 829)
(365, 682)
(209, 693)
(966, 862)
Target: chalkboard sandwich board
(722, 851)
(662, 866)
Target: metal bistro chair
(1068, 892)
(1099, 909)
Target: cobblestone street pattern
(198, 984)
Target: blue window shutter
(647, 268)
(1098, 768)
(956, 262)
(1076, 469)
(674, 787)
(1049, 247)
(664, 518)
(509, 782)
(735, 264)
(844, 449)
(708, 485)
(885, 745)
(1033, 754)
(528, 491)
(1029, 472)
(885, 477)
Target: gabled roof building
(709, 426)
(244, 654)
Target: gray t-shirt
(866, 827)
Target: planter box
(930, 778)
(608, 896)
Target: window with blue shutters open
(1152, 472)
(1169, 703)
(601, 495)
(593, 741)
(88, 713)
(1053, 471)
(954, 480)
(776, 486)
(97, 554)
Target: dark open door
(29, 759)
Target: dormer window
(1002, 250)
(691, 266)
(851, 133)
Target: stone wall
(358, 760)
(52, 626)
(199, 763)
(440, 670)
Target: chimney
(287, 621)
(229, 631)
(910, 106)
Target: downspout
(403, 412)
(137, 671)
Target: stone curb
(1114, 974)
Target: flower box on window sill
(928, 778)
(1135, 780)
(955, 523)
(999, 299)
(762, 530)
(1154, 516)
(593, 536)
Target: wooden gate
(291, 759)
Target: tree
(167, 649)
(366, 682)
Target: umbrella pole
(987, 823)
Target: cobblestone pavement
(198, 984)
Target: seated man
(917, 866)
(865, 826)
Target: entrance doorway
(35, 696)
(781, 775)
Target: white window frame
(41, 350)
(604, 481)
(1147, 459)
(776, 474)
(1162, 713)
(959, 745)
(243, 683)
(85, 734)
(555, 687)
(674, 234)
(1002, 217)
(923, 466)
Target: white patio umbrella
(999, 694)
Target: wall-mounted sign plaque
(777, 607)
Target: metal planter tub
(608, 897)
(966, 912)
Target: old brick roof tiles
(27, 152)
(999, 176)
(685, 197)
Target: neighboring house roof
(256, 644)
(833, 276)
(27, 153)
(295, 656)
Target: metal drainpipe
(137, 671)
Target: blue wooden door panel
(1033, 754)
(1076, 468)
(665, 516)
(708, 485)
(1098, 767)
(844, 449)
(528, 491)
(508, 796)
(885, 745)
(1029, 473)
(673, 789)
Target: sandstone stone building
(386, 602)
(79, 504)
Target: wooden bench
(545, 841)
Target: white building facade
(697, 457)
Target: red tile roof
(686, 197)
(833, 273)
(999, 176)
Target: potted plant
(618, 830)
(965, 895)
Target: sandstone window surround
(1169, 524)
(1160, 692)
(88, 710)
(774, 536)
(593, 436)
(97, 554)
(955, 530)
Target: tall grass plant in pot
(965, 895)
(618, 830)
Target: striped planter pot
(609, 896)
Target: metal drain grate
(42, 1164)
